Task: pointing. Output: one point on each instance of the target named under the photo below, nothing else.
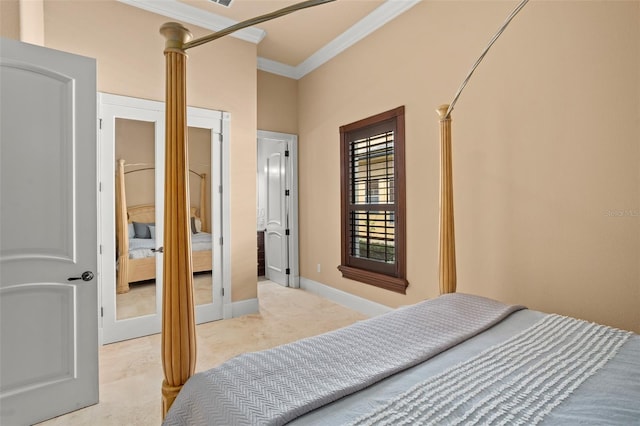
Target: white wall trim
(275, 67)
(193, 15)
(227, 312)
(244, 307)
(349, 300)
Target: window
(373, 201)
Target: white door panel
(48, 233)
(276, 186)
(276, 259)
(275, 245)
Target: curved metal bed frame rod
(254, 21)
(200, 175)
(484, 52)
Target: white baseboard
(243, 307)
(357, 303)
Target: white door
(276, 154)
(48, 233)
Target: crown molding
(275, 67)
(192, 15)
(385, 13)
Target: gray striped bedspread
(517, 382)
(275, 386)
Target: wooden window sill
(399, 285)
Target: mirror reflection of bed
(137, 248)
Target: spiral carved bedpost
(178, 322)
(447, 257)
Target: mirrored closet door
(132, 139)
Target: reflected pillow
(142, 230)
(131, 231)
(152, 231)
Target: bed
(454, 359)
(135, 234)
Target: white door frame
(111, 106)
(291, 204)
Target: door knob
(86, 276)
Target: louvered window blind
(372, 177)
(371, 209)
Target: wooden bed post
(447, 257)
(203, 203)
(178, 323)
(122, 223)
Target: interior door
(277, 206)
(48, 233)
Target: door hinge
(220, 189)
(286, 153)
(100, 187)
(101, 311)
(288, 271)
(100, 248)
(220, 240)
(100, 123)
(286, 192)
(286, 232)
(223, 291)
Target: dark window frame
(390, 276)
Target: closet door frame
(115, 106)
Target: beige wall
(277, 103)
(546, 140)
(546, 143)
(221, 75)
(22, 20)
(10, 19)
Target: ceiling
(291, 45)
